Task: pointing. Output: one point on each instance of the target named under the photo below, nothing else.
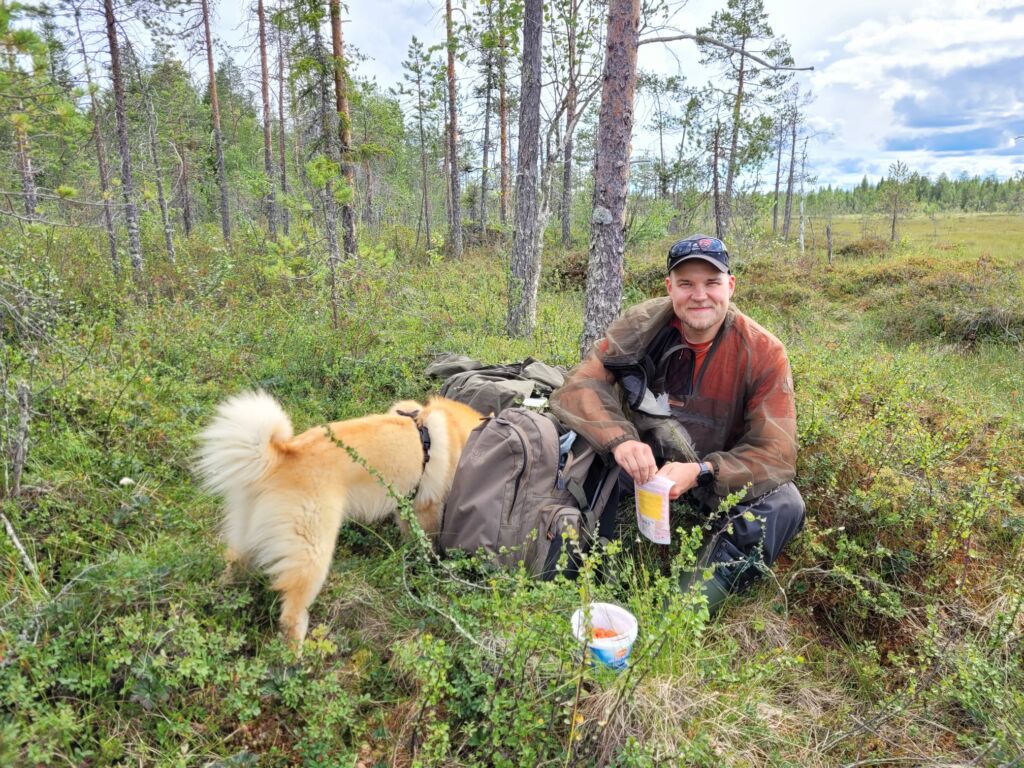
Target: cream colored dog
(286, 496)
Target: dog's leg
(299, 587)
(308, 548)
(234, 563)
(428, 515)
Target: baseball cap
(704, 247)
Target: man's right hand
(637, 459)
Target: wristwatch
(706, 475)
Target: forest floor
(890, 635)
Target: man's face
(700, 297)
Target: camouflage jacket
(738, 408)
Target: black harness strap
(424, 434)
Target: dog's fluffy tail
(238, 447)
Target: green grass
(893, 631)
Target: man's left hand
(684, 477)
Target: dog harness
(424, 434)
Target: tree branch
(704, 39)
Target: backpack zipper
(526, 457)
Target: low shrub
(866, 246)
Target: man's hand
(637, 459)
(683, 475)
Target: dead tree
(101, 155)
(154, 155)
(787, 217)
(131, 211)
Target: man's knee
(782, 511)
(788, 505)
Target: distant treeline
(964, 193)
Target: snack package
(652, 510)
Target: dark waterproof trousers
(740, 555)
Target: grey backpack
(523, 491)
(493, 388)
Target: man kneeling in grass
(694, 357)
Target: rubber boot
(732, 571)
(716, 589)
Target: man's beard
(703, 321)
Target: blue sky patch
(956, 141)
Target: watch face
(705, 478)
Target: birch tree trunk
(502, 116)
(611, 173)
(270, 199)
(131, 212)
(330, 204)
(348, 216)
(566, 204)
(803, 175)
(154, 153)
(524, 267)
(101, 155)
(453, 140)
(28, 177)
(570, 115)
(218, 141)
(282, 150)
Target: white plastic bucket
(612, 652)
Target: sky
(938, 84)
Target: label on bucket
(616, 658)
(652, 517)
(609, 632)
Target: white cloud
(874, 61)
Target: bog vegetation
(892, 631)
(169, 237)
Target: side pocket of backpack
(560, 531)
